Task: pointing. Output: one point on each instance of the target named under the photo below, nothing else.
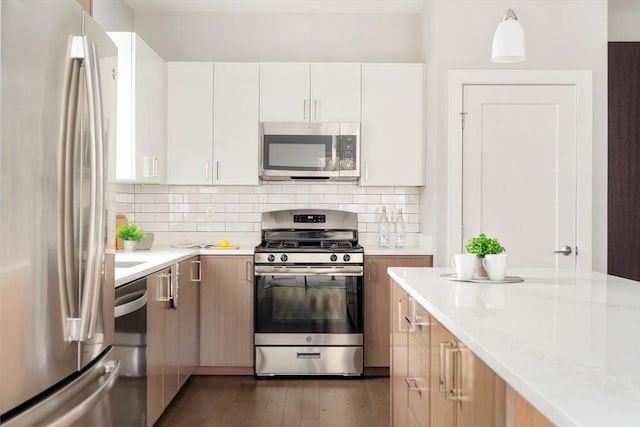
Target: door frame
(582, 80)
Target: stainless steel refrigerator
(57, 118)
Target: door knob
(566, 251)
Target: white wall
(113, 15)
(561, 34)
(624, 20)
(256, 37)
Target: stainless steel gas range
(308, 294)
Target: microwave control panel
(347, 151)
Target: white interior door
(519, 170)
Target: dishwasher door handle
(131, 305)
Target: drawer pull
(417, 320)
(308, 355)
(412, 383)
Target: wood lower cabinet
(464, 387)
(160, 326)
(226, 311)
(172, 327)
(377, 294)
(399, 357)
(189, 277)
(435, 379)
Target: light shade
(508, 40)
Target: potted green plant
(131, 234)
(480, 246)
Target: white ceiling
(280, 6)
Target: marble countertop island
(567, 342)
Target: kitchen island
(567, 342)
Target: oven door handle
(306, 271)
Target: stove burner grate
(281, 244)
(336, 244)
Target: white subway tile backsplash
(167, 217)
(283, 198)
(183, 189)
(339, 198)
(309, 198)
(210, 189)
(152, 188)
(197, 198)
(182, 226)
(239, 226)
(169, 198)
(210, 226)
(125, 198)
(189, 209)
(225, 198)
(238, 189)
(367, 199)
(145, 198)
(239, 207)
(387, 199)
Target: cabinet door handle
(400, 316)
(217, 171)
(412, 383)
(249, 272)
(206, 171)
(441, 365)
(304, 109)
(370, 272)
(450, 392)
(199, 278)
(417, 321)
(315, 109)
(155, 167)
(164, 287)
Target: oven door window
(299, 152)
(308, 304)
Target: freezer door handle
(53, 412)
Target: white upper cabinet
(302, 92)
(236, 123)
(392, 127)
(141, 118)
(284, 92)
(335, 92)
(189, 123)
(213, 123)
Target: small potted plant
(131, 234)
(481, 246)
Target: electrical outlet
(210, 211)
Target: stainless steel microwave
(310, 151)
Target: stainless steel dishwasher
(129, 405)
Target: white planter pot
(129, 245)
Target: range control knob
(346, 258)
(333, 257)
(284, 258)
(271, 258)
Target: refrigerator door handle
(100, 231)
(66, 242)
(90, 274)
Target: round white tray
(507, 279)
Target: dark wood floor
(207, 401)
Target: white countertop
(157, 259)
(567, 342)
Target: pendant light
(508, 40)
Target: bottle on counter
(383, 229)
(401, 229)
